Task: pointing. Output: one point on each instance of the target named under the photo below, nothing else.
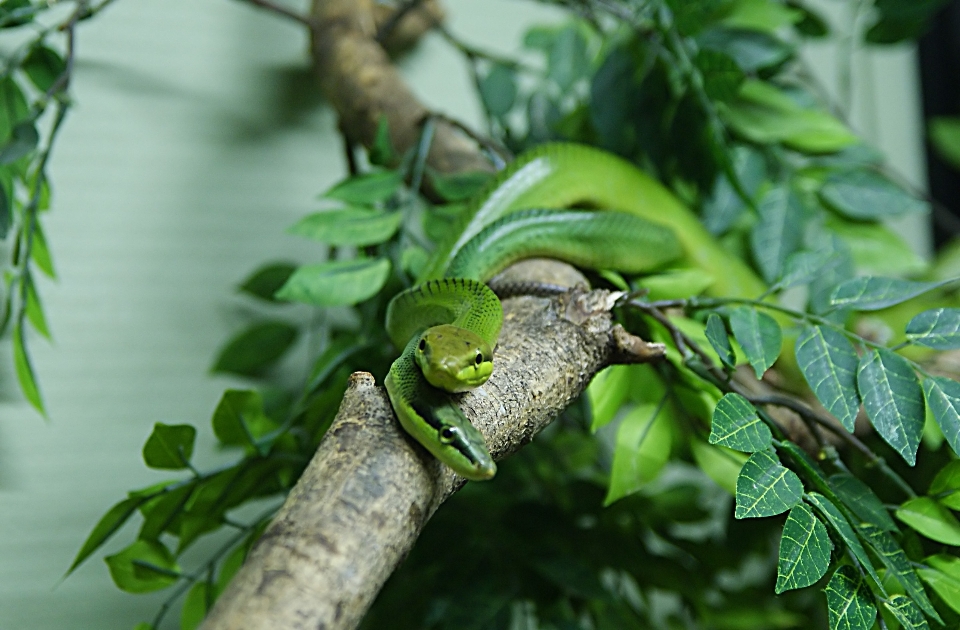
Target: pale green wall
(174, 177)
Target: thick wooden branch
(363, 500)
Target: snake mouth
(484, 471)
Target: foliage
(670, 496)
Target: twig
(498, 153)
(284, 11)
(391, 23)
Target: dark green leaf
(871, 293)
(15, 13)
(946, 485)
(765, 488)
(368, 188)
(44, 67)
(642, 449)
(691, 16)
(381, 152)
(460, 186)
(350, 226)
(25, 375)
(6, 203)
(721, 74)
(267, 280)
(13, 107)
(239, 418)
(943, 398)
(893, 400)
(897, 20)
(804, 267)
(736, 425)
(759, 335)
(777, 234)
(944, 133)
(337, 283)
(811, 24)
(862, 501)
(804, 550)
(253, 350)
(930, 519)
(567, 60)
(867, 195)
(823, 285)
(195, 606)
(849, 602)
(161, 513)
(108, 524)
(498, 89)
(725, 205)
(144, 566)
(23, 140)
(752, 50)
(906, 612)
(841, 525)
(829, 364)
(717, 336)
(938, 328)
(942, 574)
(169, 446)
(894, 558)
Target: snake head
(454, 359)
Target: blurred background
(197, 138)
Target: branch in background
(281, 10)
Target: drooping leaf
(40, 252)
(349, 226)
(777, 234)
(498, 89)
(606, 393)
(906, 612)
(337, 283)
(256, 348)
(673, 285)
(25, 375)
(836, 519)
(895, 559)
(736, 425)
(829, 364)
(893, 400)
(872, 293)
(267, 280)
(195, 606)
(942, 574)
(937, 328)
(170, 446)
(862, 501)
(724, 206)
(717, 336)
(945, 487)
(721, 464)
(765, 487)
(35, 311)
(161, 513)
(804, 550)
(142, 567)
(849, 602)
(876, 249)
(931, 519)
(381, 151)
(240, 419)
(867, 195)
(943, 398)
(23, 140)
(721, 74)
(44, 66)
(752, 50)
(759, 335)
(804, 267)
(642, 449)
(567, 58)
(108, 524)
(368, 188)
(759, 15)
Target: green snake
(449, 321)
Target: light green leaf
(368, 188)
(777, 234)
(240, 419)
(606, 393)
(717, 336)
(765, 487)
(943, 398)
(35, 311)
(255, 349)
(674, 285)
(872, 293)
(736, 425)
(906, 612)
(942, 574)
(460, 186)
(642, 449)
(567, 59)
(804, 550)
(930, 519)
(841, 525)
(893, 400)
(144, 566)
(876, 249)
(804, 267)
(108, 524)
(829, 364)
(349, 226)
(40, 252)
(759, 335)
(25, 375)
(170, 446)
(337, 283)
(498, 89)
(267, 280)
(944, 133)
(721, 464)
(895, 559)
(946, 485)
(862, 501)
(867, 195)
(849, 602)
(938, 328)
(195, 606)
(760, 15)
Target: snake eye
(479, 358)
(423, 345)
(447, 434)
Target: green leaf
(44, 67)
(938, 328)
(721, 74)
(381, 151)
(15, 13)
(35, 310)
(836, 519)
(642, 449)
(170, 446)
(253, 350)
(946, 485)
(777, 234)
(674, 285)
(942, 574)
(725, 205)
(144, 566)
(368, 188)
(829, 364)
(894, 558)
(893, 400)
(759, 335)
(862, 501)
(721, 464)
(350, 226)
(872, 293)
(195, 606)
(804, 267)
(930, 519)
(498, 89)
(876, 249)
(943, 398)
(906, 612)
(606, 393)
(752, 50)
(944, 133)
(337, 283)
(13, 106)
(761, 15)
(161, 513)
(40, 253)
(23, 140)
(267, 280)
(567, 60)
(25, 375)
(736, 425)
(239, 418)
(765, 487)
(717, 336)
(460, 186)
(108, 524)
(867, 195)
(804, 550)
(849, 602)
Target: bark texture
(363, 500)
